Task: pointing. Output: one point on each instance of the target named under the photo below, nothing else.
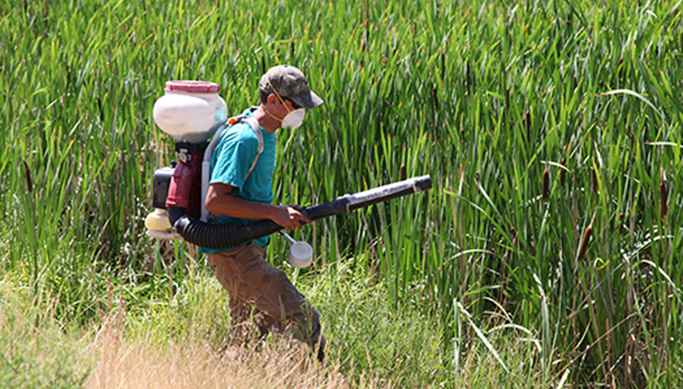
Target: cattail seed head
(594, 180)
(621, 224)
(29, 182)
(663, 196)
(467, 75)
(563, 172)
(545, 187)
(583, 247)
(507, 100)
(99, 106)
(402, 173)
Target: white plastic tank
(190, 111)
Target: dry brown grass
(139, 364)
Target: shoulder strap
(253, 123)
(257, 129)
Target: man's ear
(272, 99)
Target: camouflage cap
(289, 83)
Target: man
(241, 190)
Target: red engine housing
(185, 189)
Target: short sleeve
(233, 156)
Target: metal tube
(289, 238)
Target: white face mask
(294, 118)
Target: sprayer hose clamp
(174, 227)
(184, 157)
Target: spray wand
(217, 236)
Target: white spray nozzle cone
(300, 254)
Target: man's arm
(220, 199)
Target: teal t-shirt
(232, 158)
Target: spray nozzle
(300, 253)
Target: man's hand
(221, 200)
(289, 217)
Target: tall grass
(36, 351)
(493, 100)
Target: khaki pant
(261, 292)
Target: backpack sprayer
(192, 113)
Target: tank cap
(191, 86)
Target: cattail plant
(583, 247)
(594, 180)
(545, 186)
(27, 172)
(563, 172)
(663, 194)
